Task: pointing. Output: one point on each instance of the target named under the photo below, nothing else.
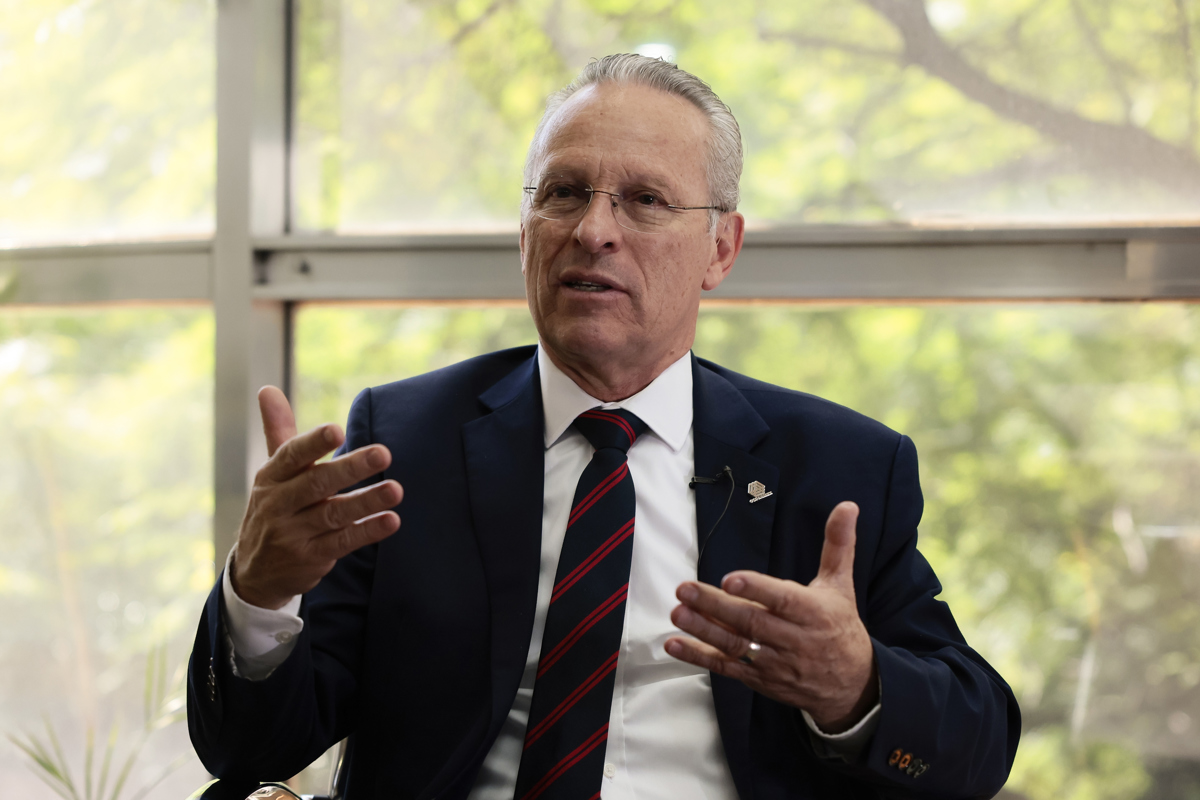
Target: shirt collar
(665, 405)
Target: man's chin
(588, 344)
(593, 341)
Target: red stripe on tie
(595, 558)
(602, 489)
(574, 697)
(607, 416)
(596, 796)
(583, 627)
(569, 760)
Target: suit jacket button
(921, 770)
(914, 766)
(895, 757)
(905, 760)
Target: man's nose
(598, 230)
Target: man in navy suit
(814, 660)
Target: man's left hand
(815, 651)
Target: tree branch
(823, 43)
(1104, 146)
(470, 27)
(1115, 78)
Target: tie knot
(610, 427)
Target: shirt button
(283, 637)
(610, 770)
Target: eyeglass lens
(641, 211)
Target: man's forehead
(627, 133)
(615, 110)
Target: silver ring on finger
(751, 653)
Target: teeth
(587, 286)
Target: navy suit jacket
(415, 646)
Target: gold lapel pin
(758, 491)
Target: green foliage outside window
(107, 118)
(416, 113)
(105, 531)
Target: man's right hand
(297, 525)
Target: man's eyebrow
(559, 172)
(641, 180)
(654, 182)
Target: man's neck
(613, 382)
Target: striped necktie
(572, 696)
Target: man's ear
(731, 231)
(521, 244)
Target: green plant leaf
(47, 771)
(34, 751)
(110, 747)
(89, 750)
(61, 759)
(57, 789)
(148, 690)
(166, 771)
(124, 774)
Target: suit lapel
(725, 429)
(505, 470)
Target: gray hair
(724, 164)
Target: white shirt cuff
(848, 744)
(259, 639)
(867, 722)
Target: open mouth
(587, 286)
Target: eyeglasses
(641, 210)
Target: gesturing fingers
(727, 622)
(342, 542)
(711, 658)
(837, 553)
(786, 600)
(727, 641)
(341, 510)
(324, 480)
(300, 452)
(279, 424)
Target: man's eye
(561, 192)
(647, 199)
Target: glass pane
(105, 530)
(108, 119)
(1060, 459)
(951, 112)
(342, 348)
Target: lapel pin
(758, 491)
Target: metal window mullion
(953, 266)
(232, 267)
(107, 273)
(252, 161)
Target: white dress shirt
(663, 740)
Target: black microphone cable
(725, 473)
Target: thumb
(837, 555)
(279, 424)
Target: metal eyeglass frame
(616, 197)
